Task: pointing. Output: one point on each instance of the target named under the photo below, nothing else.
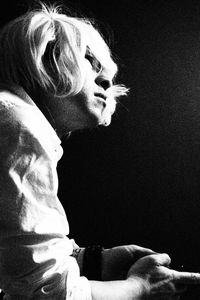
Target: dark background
(138, 180)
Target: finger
(144, 253)
(159, 259)
(139, 251)
(164, 289)
(186, 277)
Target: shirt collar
(22, 94)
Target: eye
(96, 65)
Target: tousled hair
(46, 47)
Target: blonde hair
(46, 47)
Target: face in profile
(90, 71)
(95, 103)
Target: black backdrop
(137, 181)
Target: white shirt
(35, 252)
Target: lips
(101, 95)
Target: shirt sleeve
(35, 253)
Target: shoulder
(11, 106)
(17, 118)
(8, 120)
(16, 111)
(22, 121)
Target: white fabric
(35, 252)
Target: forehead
(99, 49)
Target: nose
(103, 82)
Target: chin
(107, 114)
(106, 120)
(98, 121)
(97, 117)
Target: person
(57, 76)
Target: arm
(113, 289)
(115, 262)
(149, 278)
(118, 290)
(35, 252)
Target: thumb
(139, 251)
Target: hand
(159, 281)
(117, 261)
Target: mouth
(100, 95)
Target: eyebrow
(96, 64)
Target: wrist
(117, 289)
(104, 265)
(92, 262)
(78, 254)
(139, 287)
